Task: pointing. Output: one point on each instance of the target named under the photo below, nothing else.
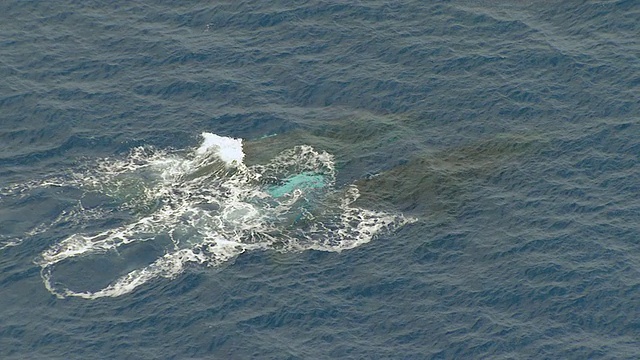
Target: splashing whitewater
(212, 207)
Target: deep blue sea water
(494, 144)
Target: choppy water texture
(436, 180)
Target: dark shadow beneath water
(96, 271)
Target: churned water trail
(205, 206)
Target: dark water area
(506, 133)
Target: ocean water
(320, 179)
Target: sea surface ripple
(500, 139)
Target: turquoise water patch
(302, 181)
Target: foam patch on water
(209, 207)
(227, 149)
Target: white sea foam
(227, 149)
(213, 214)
